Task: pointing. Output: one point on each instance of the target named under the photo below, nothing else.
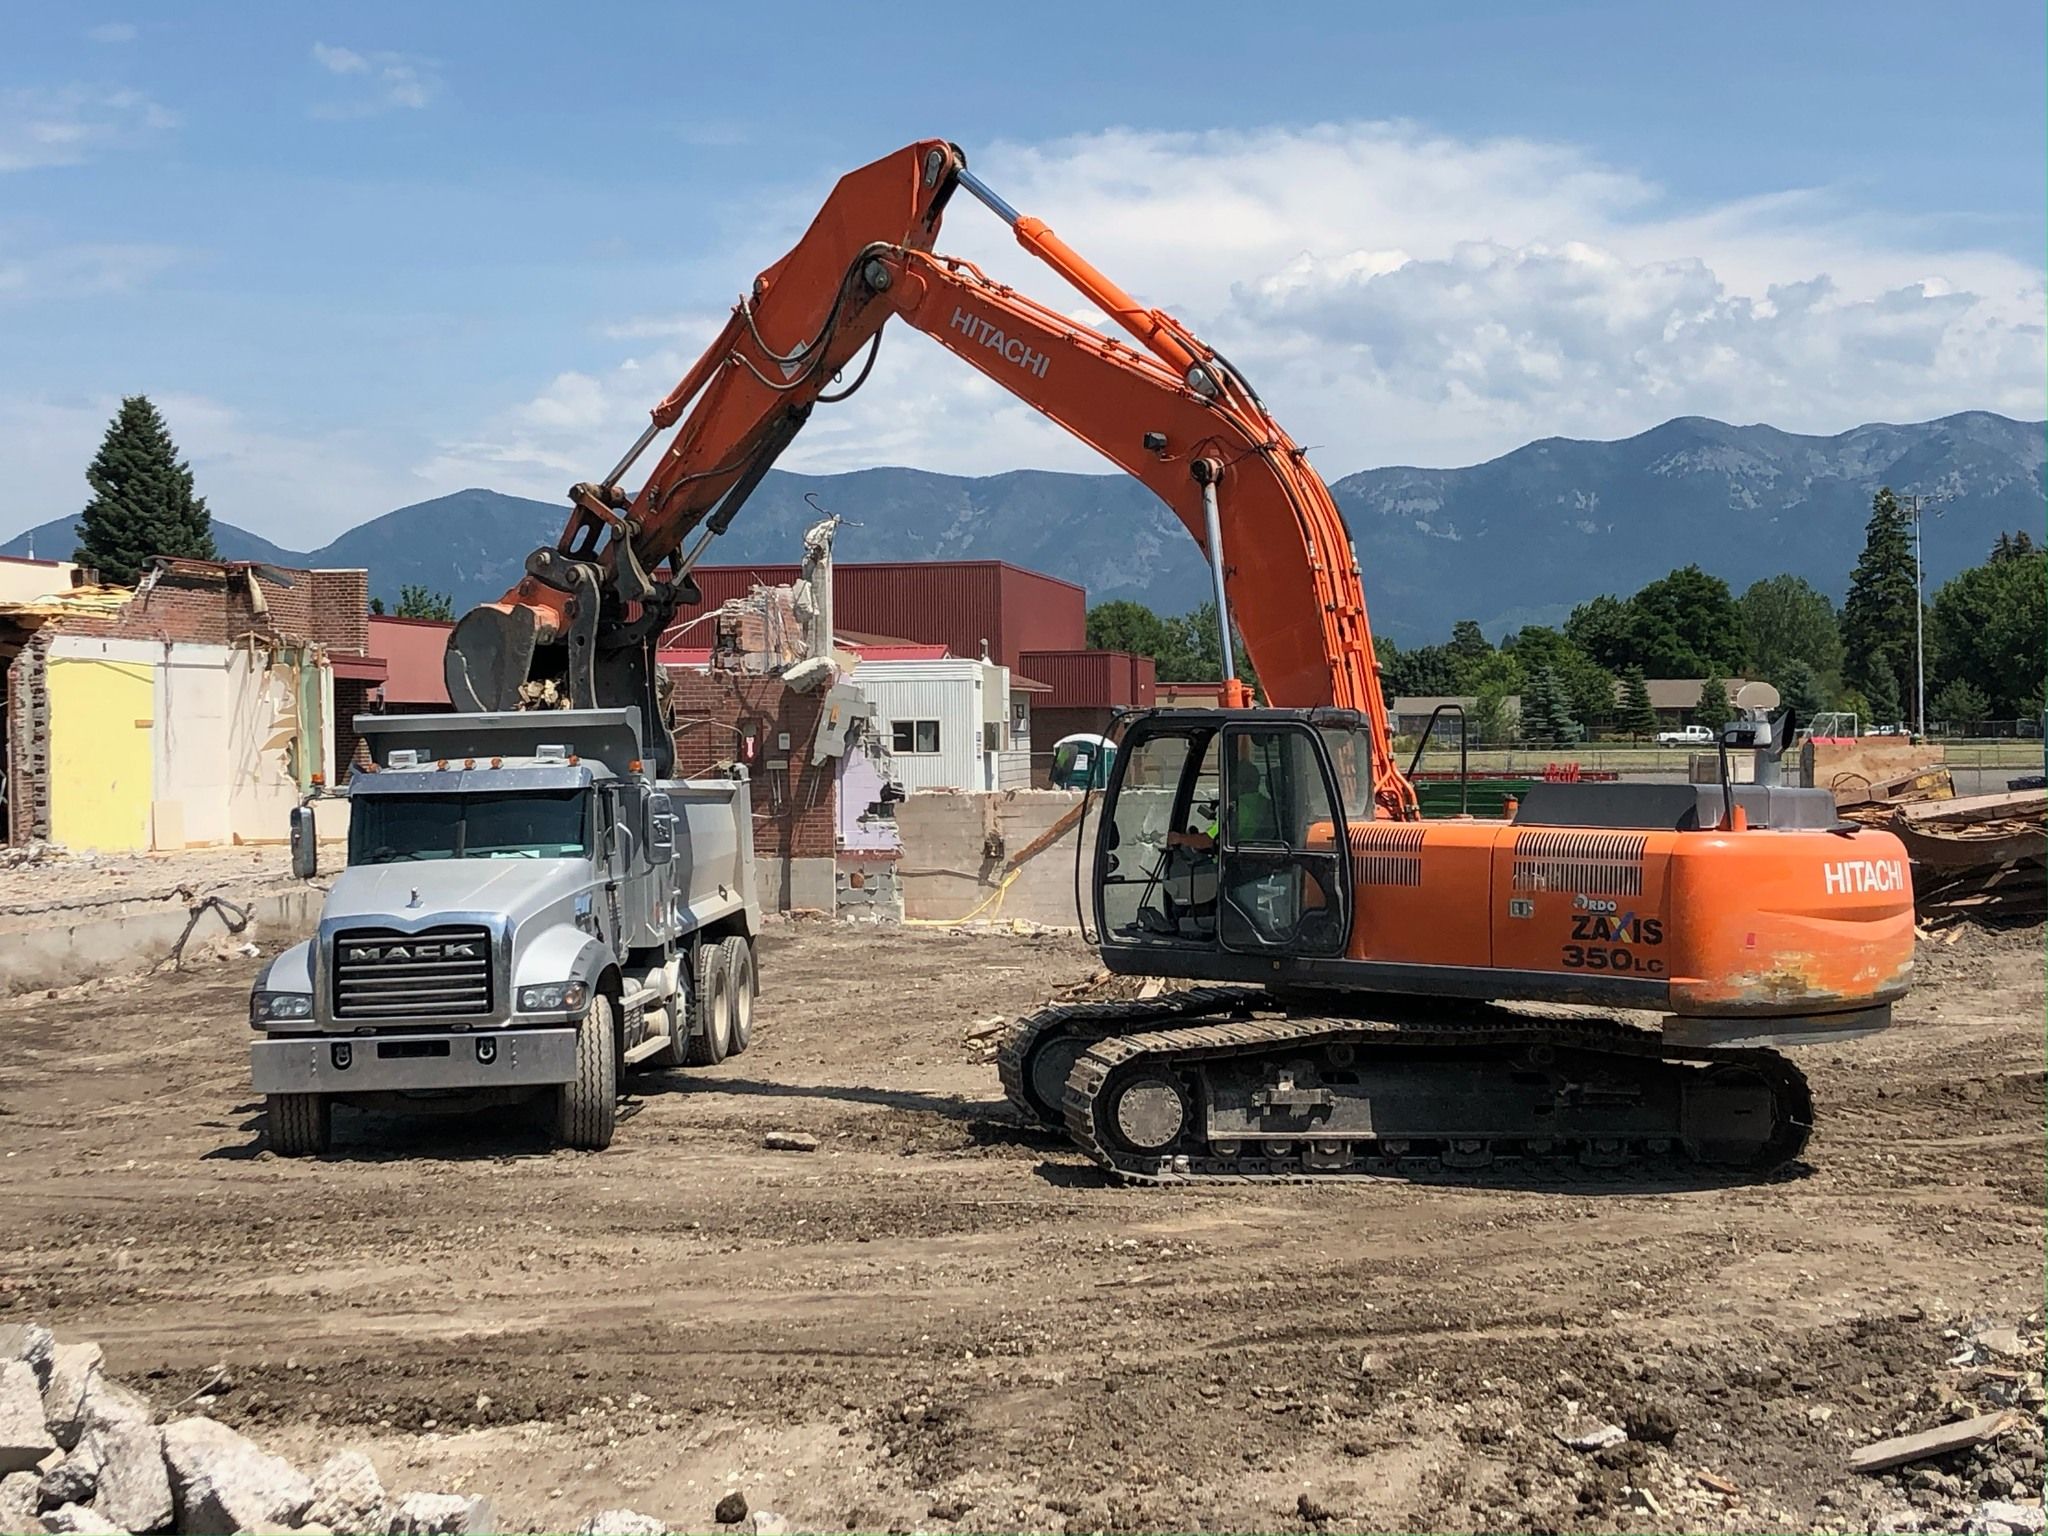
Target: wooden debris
(984, 1029)
(1940, 1440)
(1714, 1484)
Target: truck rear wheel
(710, 1006)
(301, 1124)
(587, 1106)
(740, 978)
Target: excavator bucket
(490, 653)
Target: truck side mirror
(305, 843)
(661, 828)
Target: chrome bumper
(498, 1058)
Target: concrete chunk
(18, 1504)
(24, 1441)
(348, 1495)
(2022, 1519)
(221, 1483)
(134, 1483)
(74, 1369)
(74, 1480)
(76, 1517)
(441, 1514)
(31, 1342)
(621, 1522)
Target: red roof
(411, 650)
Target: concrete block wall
(957, 846)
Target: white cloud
(1397, 297)
(66, 125)
(111, 32)
(43, 272)
(380, 82)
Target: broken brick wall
(725, 717)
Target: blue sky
(364, 255)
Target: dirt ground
(940, 1320)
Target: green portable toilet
(1082, 762)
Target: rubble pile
(79, 1452)
(1977, 858)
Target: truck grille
(441, 973)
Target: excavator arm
(1171, 411)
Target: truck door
(1284, 885)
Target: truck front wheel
(587, 1106)
(301, 1124)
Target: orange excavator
(1352, 960)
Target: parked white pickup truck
(1686, 736)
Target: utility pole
(1913, 502)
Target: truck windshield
(539, 824)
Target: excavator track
(1292, 1098)
(1039, 1051)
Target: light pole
(1913, 502)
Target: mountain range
(1517, 540)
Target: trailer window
(545, 824)
(914, 737)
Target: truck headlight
(553, 998)
(266, 1007)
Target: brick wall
(718, 713)
(207, 603)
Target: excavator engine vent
(1386, 855)
(1589, 863)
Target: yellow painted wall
(101, 714)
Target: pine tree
(142, 502)
(1882, 691)
(1713, 710)
(1801, 689)
(1546, 715)
(1877, 620)
(1636, 716)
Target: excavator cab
(1225, 831)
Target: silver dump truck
(526, 914)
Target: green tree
(1425, 672)
(1877, 619)
(1192, 653)
(1634, 715)
(1959, 705)
(416, 602)
(1588, 687)
(1989, 628)
(1600, 628)
(377, 606)
(2013, 546)
(1546, 714)
(1127, 626)
(1492, 721)
(1887, 704)
(1801, 687)
(1787, 620)
(1685, 624)
(1713, 710)
(142, 502)
(1498, 670)
(1468, 642)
